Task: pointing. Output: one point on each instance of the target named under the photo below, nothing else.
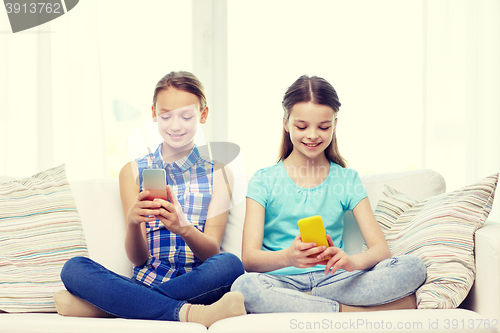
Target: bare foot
(408, 302)
(68, 304)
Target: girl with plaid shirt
(179, 274)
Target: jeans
(387, 281)
(128, 298)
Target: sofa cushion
(99, 204)
(439, 230)
(54, 323)
(419, 184)
(40, 230)
(231, 242)
(410, 321)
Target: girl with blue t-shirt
(311, 178)
(179, 274)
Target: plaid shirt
(191, 179)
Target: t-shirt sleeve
(355, 190)
(258, 187)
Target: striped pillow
(39, 230)
(439, 230)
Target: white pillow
(40, 230)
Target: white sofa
(99, 206)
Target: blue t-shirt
(285, 203)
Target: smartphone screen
(155, 182)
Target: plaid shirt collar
(183, 164)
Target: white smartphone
(155, 182)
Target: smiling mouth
(311, 145)
(176, 135)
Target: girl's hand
(338, 260)
(171, 214)
(303, 255)
(143, 210)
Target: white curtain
(50, 97)
(72, 90)
(462, 91)
(419, 81)
(370, 51)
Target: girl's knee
(415, 268)
(420, 268)
(238, 283)
(233, 264)
(415, 262)
(73, 269)
(249, 285)
(246, 283)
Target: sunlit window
(133, 62)
(371, 54)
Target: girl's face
(311, 127)
(177, 115)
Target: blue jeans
(128, 298)
(387, 281)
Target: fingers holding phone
(335, 258)
(303, 254)
(143, 210)
(171, 214)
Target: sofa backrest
(100, 210)
(418, 184)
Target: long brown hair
(184, 81)
(317, 90)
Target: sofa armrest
(484, 297)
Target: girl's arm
(256, 260)
(378, 249)
(204, 244)
(136, 211)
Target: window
(371, 55)
(138, 46)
